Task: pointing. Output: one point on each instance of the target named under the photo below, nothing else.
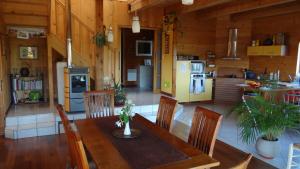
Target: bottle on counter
(271, 76)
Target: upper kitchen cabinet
(275, 50)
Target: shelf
(275, 50)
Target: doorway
(140, 59)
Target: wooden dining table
(155, 147)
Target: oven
(197, 83)
(79, 83)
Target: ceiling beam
(270, 11)
(239, 7)
(138, 5)
(198, 5)
(24, 20)
(24, 9)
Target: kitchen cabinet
(275, 50)
(183, 71)
(183, 80)
(204, 96)
(226, 89)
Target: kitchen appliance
(232, 44)
(197, 83)
(191, 83)
(198, 67)
(78, 79)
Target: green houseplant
(120, 96)
(265, 121)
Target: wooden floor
(50, 152)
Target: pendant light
(187, 2)
(110, 35)
(136, 27)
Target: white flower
(118, 124)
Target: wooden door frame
(155, 52)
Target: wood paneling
(226, 89)
(115, 13)
(193, 36)
(267, 26)
(4, 78)
(83, 30)
(35, 65)
(130, 60)
(25, 12)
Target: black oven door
(79, 84)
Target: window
(298, 61)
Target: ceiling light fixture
(136, 27)
(187, 2)
(110, 35)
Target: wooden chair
(204, 129)
(244, 164)
(293, 158)
(78, 157)
(165, 112)
(77, 149)
(99, 103)
(66, 125)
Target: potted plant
(125, 116)
(264, 121)
(120, 96)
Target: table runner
(146, 151)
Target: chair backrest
(66, 124)
(293, 156)
(204, 129)
(99, 103)
(244, 164)
(63, 115)
(165, 112)
(292, 97)
(77, 149)
(77, 154)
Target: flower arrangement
(126, 114)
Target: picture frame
(28, 52)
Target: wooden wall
(194, 36)
(4, 78)
(130, 60)
(265, 26)
(34, 65)
(25, 12)
(115, 13)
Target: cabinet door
(255, 50)
(183, 81)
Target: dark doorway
(137, 58)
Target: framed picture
(28, 52)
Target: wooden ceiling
(207, 8)
(29, 13)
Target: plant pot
(119, 104)
(127, 131)
(267, 149)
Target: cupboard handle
(0, 85)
